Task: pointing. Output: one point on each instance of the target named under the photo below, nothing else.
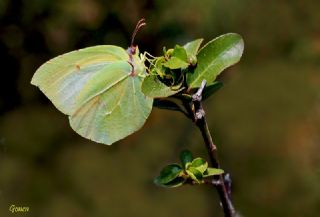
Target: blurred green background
(265, 119)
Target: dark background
(265, 120)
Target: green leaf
(194, 174)
(200, 164)
(212, 172)
(211, 89)
(178, 58)
(154, 88)
(187, 165)
(169, 173)
(192, 50)
(179, 181)
(99, 90)
(214, 57)
(180, 53)
(192, 47)
(185, 157)
(175, 63)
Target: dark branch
(169, 105)
(218, 181)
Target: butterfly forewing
(62, 78)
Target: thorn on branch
(196, 99)
(228, 183)
(199, 114)
(214, 182)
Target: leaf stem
(201, 123)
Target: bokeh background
(265, 119)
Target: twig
(169, 105)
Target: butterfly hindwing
(119, 111)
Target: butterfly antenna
(140, 24)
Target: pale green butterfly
(99, 88)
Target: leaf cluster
(190, 171)
(180, 70)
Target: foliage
(191, 171)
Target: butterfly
(99, 88)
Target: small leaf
(180, 53)
(192, 50)
(187, 165)
(212, 172)
(214, 57)
(173, 184)
(154, 88)
(167, 53)
(200, 164)
(192, 47)
(176, 63)
(178, 58)
(194, 174)
(211, 89)
(169, 173)
(185, 157)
